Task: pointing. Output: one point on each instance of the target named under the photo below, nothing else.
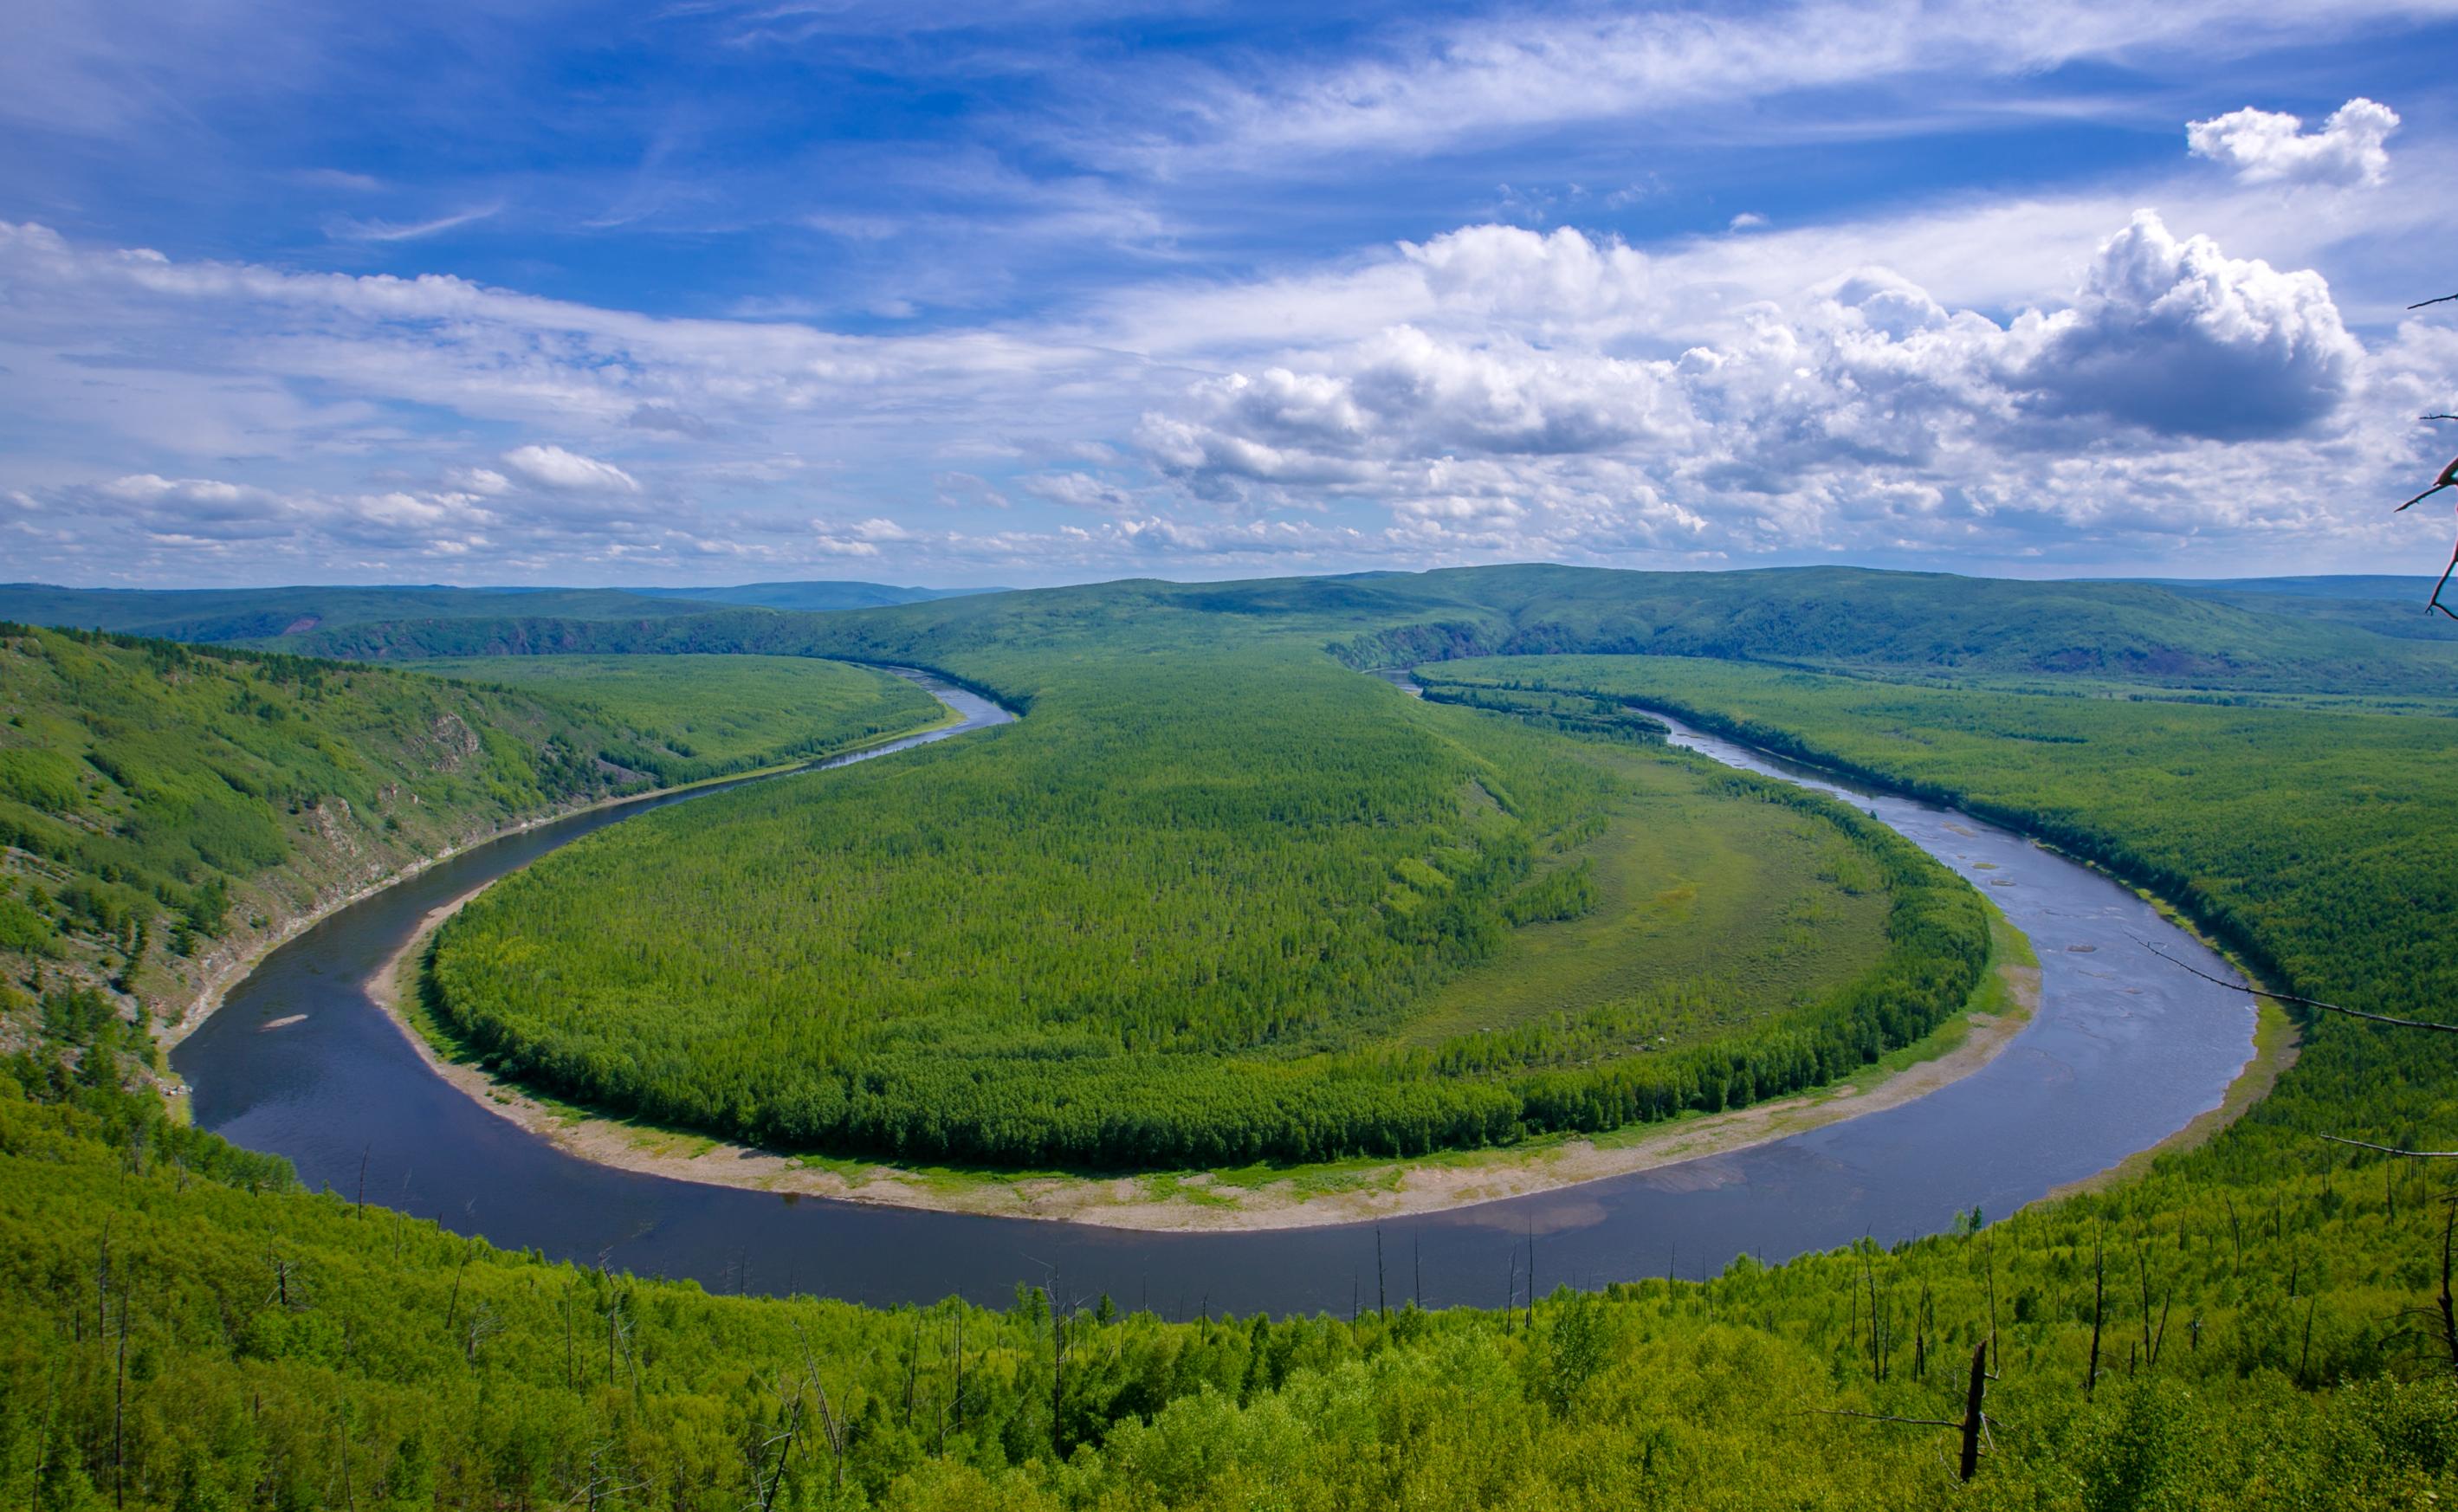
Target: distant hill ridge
(1831, 618)
(2350, 634)
(267, 615)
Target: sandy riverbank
(1208, 1201)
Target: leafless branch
(2392, 1150)
(1880, 1416)
(2289, 997)
(2435, 601)
(2443, 300)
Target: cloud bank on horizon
(757, 290)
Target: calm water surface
(2124, 1051)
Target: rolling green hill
(1835, 617)
(271, 614)
(275, 618)
(166, 808)
(809, 595)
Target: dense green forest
(1827, 617)
(276, 618)
(710, 716)
(188, 1331)
(2267, 1314)
(2317, 844)
(1184, 914)
(163, 807)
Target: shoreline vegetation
(1185, 923)
(285, 927)
(1294, 1194)
(1232, 1200)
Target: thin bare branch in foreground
(2393, 1149)
(2435, 601)
(1880, 1416)
(2289, 997)
(2449, 479)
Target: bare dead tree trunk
(119, 1413)
(912, 1356)
(1058, 1378)
(777, 1477)
(1920, 1319)
(2449, 1311)
(1992, 1253)
(1877, 1337)
(341, 1444)
(830, 1424)
(1972, 1417)
(2142, 1267)
(2098, 1308)
(958, 1405)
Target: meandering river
(2124, 1051)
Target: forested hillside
(1933, 624)
(279, 618)
(712, 716)
(1170, 919)
(2240, 1331)
(2262, 1322)
(164, 808)
(275, 617)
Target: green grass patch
(1712, 913)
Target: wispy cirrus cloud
(554, 467)
(350, 228)
(1474, 80)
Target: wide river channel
(2124, 1051)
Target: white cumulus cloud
(2180, 338)
(2267, 147)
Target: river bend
(2124, 1051)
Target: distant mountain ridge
(268, 617)
(817, 594)
(2317, 633)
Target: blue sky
(1053, 292)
